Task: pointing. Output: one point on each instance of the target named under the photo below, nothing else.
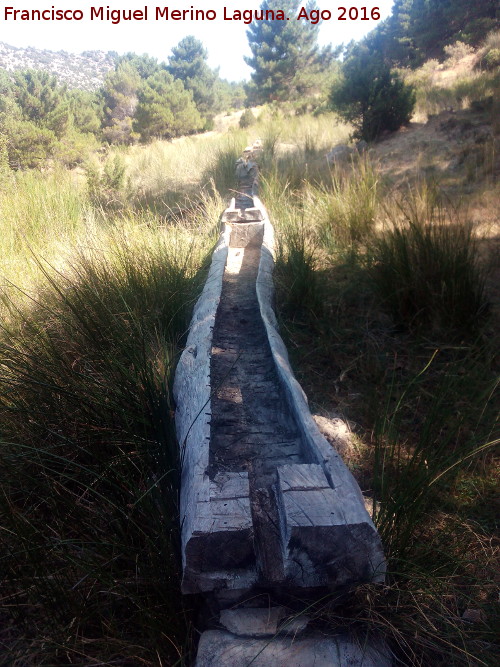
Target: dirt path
(252, 429)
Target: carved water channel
(268, 508)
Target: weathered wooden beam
(322, 545)
(358, 541)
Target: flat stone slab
(218, 648)
(266, 622)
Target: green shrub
(106, 188)
(165, 108)
(489, 54)
(492, 59)
(370, 96)
(28, 145)
(88, 464)
(247, 118)
(455, 52)
(74, 148)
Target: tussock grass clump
(174, 166)
(338, 206)
(40, 213)
(428, 430)
(426, 270)
(220, 170)
(88, 461)
(35, 208)
(296, 257)
(168, 179)
(419, 611)
(296, 265)
(489, 54)
(348, 207)
(312, 135)
(106, 190)
(317, 222)
(421, 441)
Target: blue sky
(225, 41)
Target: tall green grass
(312, 135)
(39, 212)
(347, 208)
(88, 461)
(296, 265)
(338, 206)
(423, 396)
(221, 169)
(412, 466)
(88, 456)
(426, 268)
(441, 563)
(175, 166)
(169, 179)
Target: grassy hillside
(85, 71)
(388, 295)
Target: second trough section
(266, 502)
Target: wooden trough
(267, 504)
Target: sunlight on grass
(93, 308)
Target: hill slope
(85, 71)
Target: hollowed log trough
(266, 502)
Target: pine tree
(188, 63)
(420, 29)
(41, 99)
(43, 121)
(165, 108)
(144, 65)
(370, 96)
(120, 101)
(285, 57)
(28, 145)
(85, 111)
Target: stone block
(223, 649)
(262, 622)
